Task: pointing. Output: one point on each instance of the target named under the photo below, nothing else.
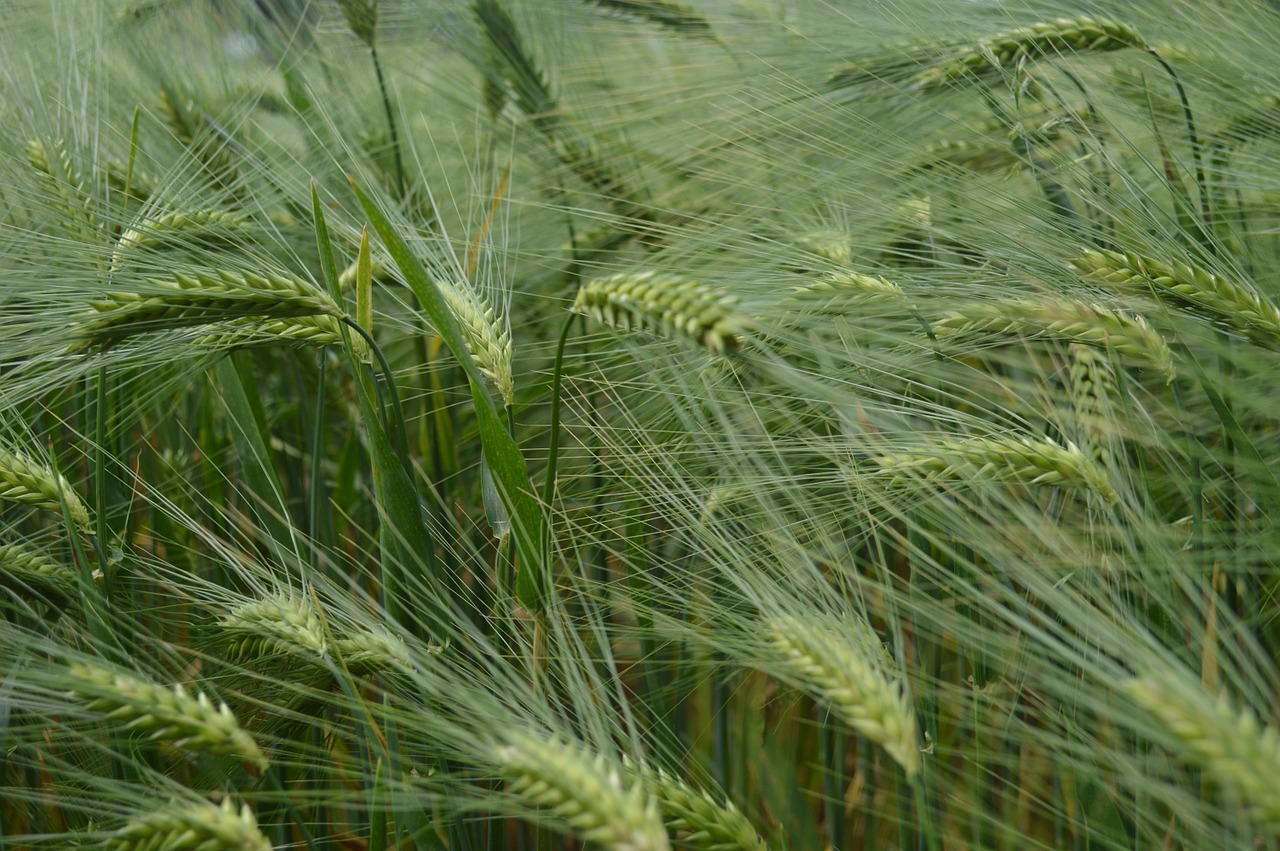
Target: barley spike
(191, 826)
(167, 713)
(666, 304)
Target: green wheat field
(725, 425)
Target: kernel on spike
(665, 304)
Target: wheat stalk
(696, 818)
(583, 790)
(192, 826)
(848, 669)
(666, 304)
(1088, 324)
(25, 569)
(1018, 459)
(1232, 302)
(202, 297)
(166, 713)
(1064, 35)
(1237, 750)
(25, 481)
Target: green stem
(391, 123)
(553, 444)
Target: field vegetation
(518, 425)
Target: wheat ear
(1092, 387)
(200, 226)
(25, 481)
(1237, 750)
(291, 626)
(167, 713)
(361, 17)
(696, 818)
(1089, 324)
(847, 668)
(581, 789)
(1063, 35)
(1018, 459)
(828, 244)
(1230, 301)
(322, 330)
(202, 297)
(487, 336)
(676, 17)
(847, 285)
(192, 826)
(25, 569)
(666, 304)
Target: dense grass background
(515, 424)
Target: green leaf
(504, 458)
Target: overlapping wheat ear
(202, 297)
(676, 17)
(1258, 120)
(1231, 302)
(827, 243)
(322, 330)
(192, 826)
(25, 569)
(1089, 324)
(697, 818)
(72, 188)
(195, 226)
(165, 713)
(361, 17)
(30, 483)
(666, 304)
(847, 285)
(1023, 460)
(990, 56)
(486, 334)
(289, 625)
(581, 789)
(1237, 750)
(845, 667)
(1092, 386)
(513, 76)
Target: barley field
(725, 425)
